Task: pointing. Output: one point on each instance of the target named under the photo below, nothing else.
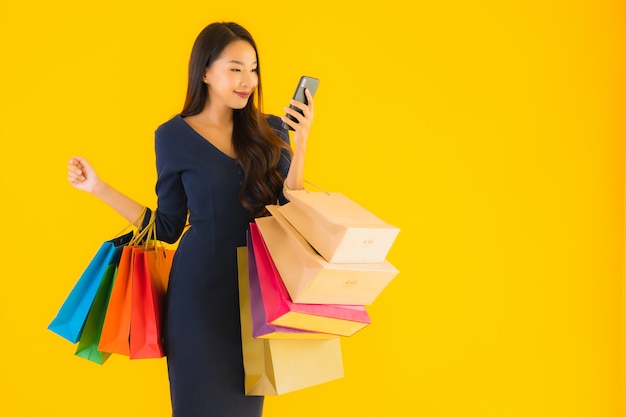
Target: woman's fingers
(302, 113)
(75, 170)
(309, 98)
(81, 175)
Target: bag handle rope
(316, 186)
(132, 224)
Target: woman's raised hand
(295, 177)
(82, 175)
(303, 125)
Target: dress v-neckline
(204, 139)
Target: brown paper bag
(309, 278)
(278, 366)
(338, 228)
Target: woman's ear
(205, 77)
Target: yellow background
(490, 132)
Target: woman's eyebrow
(240, 63)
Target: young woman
(219, 162)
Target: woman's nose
(247, 80)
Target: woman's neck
(216, 115)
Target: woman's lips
(242, 95)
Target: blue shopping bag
(70, 319)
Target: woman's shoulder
(172, 134)
(171, 126)
(274, 121)
(276, 124)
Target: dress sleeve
(171, 212)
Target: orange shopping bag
(116, 327)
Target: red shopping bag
(280, 310)
(260, 326)
(150, 274)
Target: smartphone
(305, 82)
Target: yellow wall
(490, 132)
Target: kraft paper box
(278, 366)
(338, 228)
(309, 278)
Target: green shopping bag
(90, 338)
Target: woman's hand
(305, 120)
(295, 176)
(82, 176)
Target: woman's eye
(255, 70)
(235, 70)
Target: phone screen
(305, 82)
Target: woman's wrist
(300, 147)
(100, 189)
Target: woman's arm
(295, 176)
(83, 177)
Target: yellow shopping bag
(278, 366)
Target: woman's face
(232, 78)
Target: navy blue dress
(201, 324)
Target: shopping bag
(309, 278)
(116, 327)
(260, 326)
(341, 230)
(70, 319)
(150, 274)
(278, 366)
(340, 320)
(88, 343)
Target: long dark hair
(257, 146)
